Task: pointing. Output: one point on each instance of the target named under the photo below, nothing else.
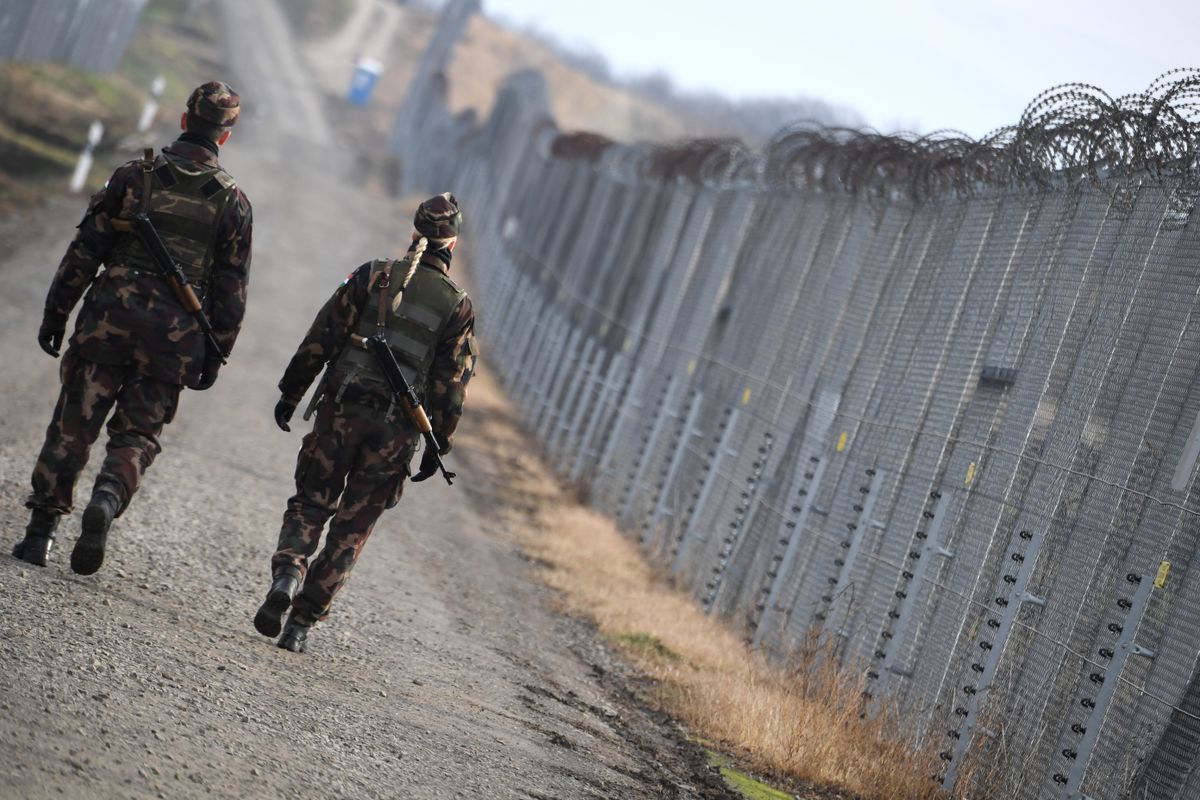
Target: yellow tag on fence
(1160, 580)
(841, 445)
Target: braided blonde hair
(415, 259)
(422, 243)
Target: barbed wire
(1069, 132)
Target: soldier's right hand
(283, 414)
(428, 468)
(50, 336)
(208, 375)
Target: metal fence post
(577, 404)
(791, 531)
(541, 346)
(608, 386)
(1023, 555)
(852, 544)
(913, 581)
(1123, 648)
(686, 432)
(561, 362)
(710, 470)
(713, 587)
(662, 413)
(624, 409)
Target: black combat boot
(269, 619)
(295, 635)
(88, 554)
(39, 537)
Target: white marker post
(84, 166)
(150, 110)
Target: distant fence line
(933, 399)
(87, 34)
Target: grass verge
(743, 784)
(52, 105)
(801, 723)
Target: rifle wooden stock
(421, 420)
(187, 296)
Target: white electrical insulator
(150, 110)
(84, 165)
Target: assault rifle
(404, 393)
(172, 273)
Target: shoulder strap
(385, 281)
(147, 177)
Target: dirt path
(444, 671)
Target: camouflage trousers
(351, 468)
(89, 392)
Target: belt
(123, 271)
(358, 395)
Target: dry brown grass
(801, 722)
(488, 54)
(485, 57)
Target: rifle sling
(384, 282)
(147, 177)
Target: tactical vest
(185, 207)
(413, 330)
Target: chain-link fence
(88, 34)
(931, 399)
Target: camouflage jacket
(133, 317)
(453, 362)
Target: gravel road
(444, 671)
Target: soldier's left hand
(283, 413)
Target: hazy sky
(915, 65)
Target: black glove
(50, 335)
(283, 413)
(429, 465)
(208, 374)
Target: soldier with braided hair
(353, 464)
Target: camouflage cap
(438, 217)
(216, 103)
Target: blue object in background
(366, 74)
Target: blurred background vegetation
(50, 106)
(315, 18)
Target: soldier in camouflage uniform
(353, 464)
(134, 345)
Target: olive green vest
(413, 329)
(185, 207)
